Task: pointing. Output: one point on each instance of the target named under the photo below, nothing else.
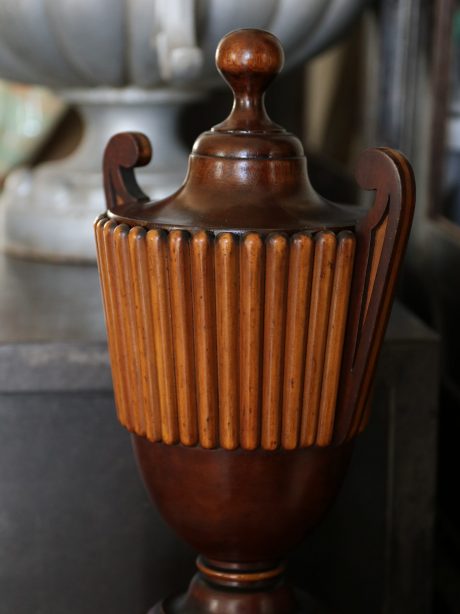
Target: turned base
(252, 589)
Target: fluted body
(226, 340)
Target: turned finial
(249, 60)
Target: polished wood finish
(209, 499)
(182, 316)
(246, 173)
(335, 339)
(194, 349)
(269, 598)
(245, 315)
(227, 371)
(382, 239)
(227, 325)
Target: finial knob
(249, 60)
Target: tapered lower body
(243, 511)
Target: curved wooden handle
(123, 153)
(381, 241)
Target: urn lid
(246, 173)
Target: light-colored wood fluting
(226, 341)
(251, 328)
(274, 334)
(227, 319)
(335, 336)
(182, 318)
(144, 333)
(113, 339)
(203, 291)
(298, 308)
(125, 410)
(127, 310)
(163, 338)
(323, 276)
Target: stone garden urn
(126, 65)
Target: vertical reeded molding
(144, 332)
(182, 316)
(323, 275)
(117, 330)
(126, 309)
(227, 316)
(102, 227)
(205, 337)
(163, 337)
(274, 335)
(227, 341)
(251, 342)
(335, 338)
(298, 310)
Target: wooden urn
(245, 315)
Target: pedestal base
(203, 597)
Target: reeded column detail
(226, 341)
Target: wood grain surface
(381, 239)
(223, 340)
